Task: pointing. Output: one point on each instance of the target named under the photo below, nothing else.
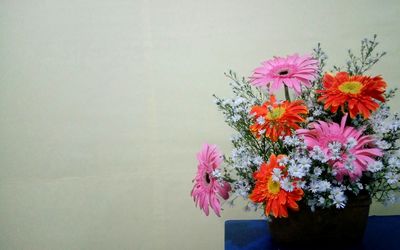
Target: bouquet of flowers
(331, 138)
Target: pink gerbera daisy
(292, 71)
(207, 187)
(347, 150)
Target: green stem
(287, 96)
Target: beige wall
(103, 105)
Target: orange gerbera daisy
(356, 93)
(268, 191)
(274, 119)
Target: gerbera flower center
(351, 87)
(273, 186)
(207, 178)
(275, 113)
(283, 72)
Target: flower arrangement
(332, 137)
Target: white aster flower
(260, 120)
(304, 162)
(258, 160)
(236, 118)
(296, 171)
(317, 171)
(319, 186)
(216, 173)
(299, 167)
(242, 188)
(283, 161)
(351, 143)
(276, 174)
(287, 185)
(395, 123)
(392, 178)
(238, 109)
(348, 164)
(321, 201)
(394, 161)
(383, 144)
(317, 112)
(288, 140)
(324, 186)
(375, 166)
(238, 101)
(338, 197)
(317, 154)
(335, 149)
(313, 186)
(291, 140)
(241, 157)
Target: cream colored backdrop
(103, 105)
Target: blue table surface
(383, 232)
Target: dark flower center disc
(207, 178)
(283, 72)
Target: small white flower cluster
(382, 122)
(286, 183)
(375, 166)
(393, 162)
(351, 143)
(317, 154)
(335, 153)
(293, 141)
(395, 123)
(243, 158)
(328, 196)
(338, 197)
(378, 116)
(319, 186)
(260, 120)
(316, 109)
(387, 131)
(217, 173)
(318, 178)
(309, 165)
(383, 144)
(242, 188)
(239, 109)
(392, 178)
(299, 167)
(335, 149)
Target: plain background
(104, 104)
